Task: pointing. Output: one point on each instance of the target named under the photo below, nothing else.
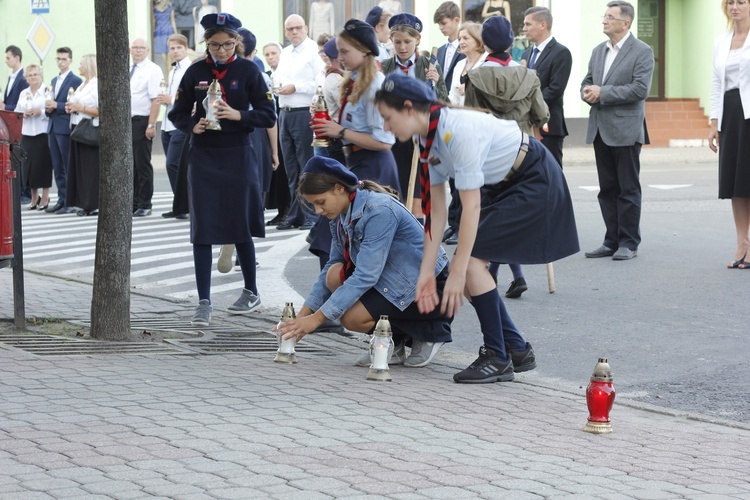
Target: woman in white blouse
(83, 162)
(37, 167)
(469, 43)
(730, 121)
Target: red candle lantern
(600, 396)
(320, 114)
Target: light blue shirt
(363, 116)
(383, 55)
(472, 147)
(412, 66)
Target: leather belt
(522, 150)
(351, 148)
(288, 108)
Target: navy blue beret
(221, 20)
(406, 87)
(325, 165)
(248, 40)
(330, 49)
(407, 19)
(497, 33)
(373, 17)
(364, 33)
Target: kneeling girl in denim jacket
(375, 260)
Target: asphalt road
(672, 321)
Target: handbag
(86, 133)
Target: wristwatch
(341, 134)
(150, 125)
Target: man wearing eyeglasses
(145, 77)
(59, 126)
(299, 65)
(616, 87)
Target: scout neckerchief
(345, 97)
(405, 67)
(220, 74)
(348, 267)
(501, 62)
(424, 171)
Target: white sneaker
(225, 263)
(422, 353)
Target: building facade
(681, 33)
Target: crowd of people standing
(393, 137)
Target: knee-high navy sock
(493, 267)
(202, 260)
(488, 313)
(510, 333)
(516, 270)
(246, 254)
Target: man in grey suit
(616, 87)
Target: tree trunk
(110, 304)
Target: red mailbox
(10, 133)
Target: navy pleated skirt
(529, 218)
(226, 205)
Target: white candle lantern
(381, 348)
(285, 354)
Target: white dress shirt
(173, 83)
(300, 67)
(450, 52)
(11, 81)
(612, 54)
(32, 125)
(58, 83)
(540, 48)
(144, 87)
(88, 95)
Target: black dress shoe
(168, 215)
(65, 210)
(275, 221)
(286, 224)
(602, 251)
(448, 233)
(182, 216)
(453, 240)
(53, 208)
(516, 288)
(142, 212)
(307, 225)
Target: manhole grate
(226, 342)
(174, 325)
(48, 345)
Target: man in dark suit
(552, 62)
(616, 87)
(58, 129)
(448, 18)
(16, 83)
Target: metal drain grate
(48, 345)
(226, 342)
(174, 325)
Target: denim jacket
(386, 249)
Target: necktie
(348, 268)
(532, 61)
(424, 171)
(132, 70)
(405, 67)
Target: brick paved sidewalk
(241, 426)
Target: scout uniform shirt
(475, 149)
